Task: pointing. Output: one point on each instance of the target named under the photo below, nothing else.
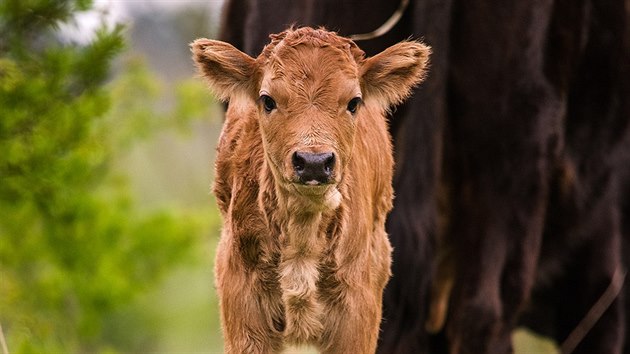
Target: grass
(527, 342)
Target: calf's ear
(390, 75)
(229, 71)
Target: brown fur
(301, 264)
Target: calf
(304, 184)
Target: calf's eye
(354, 104)
(268, 103)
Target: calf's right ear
(229, 71)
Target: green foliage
(138, 94)
(74, 247)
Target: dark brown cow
(519, 137)
(537, 124)
(303, 181)
(588, 62)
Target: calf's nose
(313, 168)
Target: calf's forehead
(311, 70)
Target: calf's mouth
(319, 196)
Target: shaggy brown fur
(305, 262)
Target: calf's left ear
(390, 75)
(229, 71)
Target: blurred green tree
(73, 244)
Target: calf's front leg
(252, 319)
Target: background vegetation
(106, 221)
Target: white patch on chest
(299, 273)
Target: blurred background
(107, 222)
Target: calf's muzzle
(313, 168)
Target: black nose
(313, 168)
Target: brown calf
(303, 180)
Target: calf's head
(310, 89)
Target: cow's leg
(475, 314)
(495, 274)
(252, 314)
(504, 115)
(520, 269)
(352, 299)
(351, 324)
(592, 286)
(498, 229)
(597, 124)
(581, 269)
(250, 319)
(595, 276)
(496, 262)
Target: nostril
(329, 163)
(299, 163)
